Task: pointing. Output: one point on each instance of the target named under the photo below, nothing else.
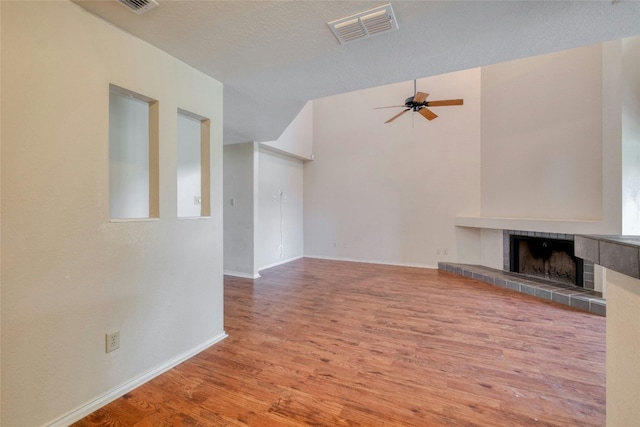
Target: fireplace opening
(547, 258)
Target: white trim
(543, 225)
(90, 407)
(275, 264)
(123, 220)
(365, 261)
(265, 146)
(240, 274)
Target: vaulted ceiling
(274, 56)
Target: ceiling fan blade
(390, 106)
(445, 102)
(397, 115)
(420, 97)
(427, 114)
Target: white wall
(615, 163)
(1, 65)
(551, 160)
(554, 165)
(264, 228)
(189, 173)
(69, 275)
(630, 134)
(623, 349)
(542, 136)
(240, 192)
(280, 209)
(128, 157)
(297, 138)
(390, 192)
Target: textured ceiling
(274, 56)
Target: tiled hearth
(573, 296)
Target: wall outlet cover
(113, 341)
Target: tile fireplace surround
(583, 298)
(587, 279)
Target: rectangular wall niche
(193, 170)
(133, 155)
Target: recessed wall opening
(133, 155)
(193, 167)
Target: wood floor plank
(327, 343)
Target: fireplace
(546, 255)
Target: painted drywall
(541, 136)
(189, 172)
(623, 349)
(389, 193)
(630, 132)
(239, 209)
(128, 157)
(280, 209)
(611, 138)
(263, 227)
(69, 274)
(297, 139)
(617, 117)
(492, 248)
(0, 216)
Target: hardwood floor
(328, 343)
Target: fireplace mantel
(532, 224)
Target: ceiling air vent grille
(364, 24)
(138, 6)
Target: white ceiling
(274, 56)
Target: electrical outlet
(445, 251)
(438, 251)
(113, 341)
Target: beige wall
(390, 192)
(623, 350)
(552, 166)
(239, 218)
(280, 192)
(542, 136)
(630, 134)
(297, 138)
(1, 63)
(545, 156)
(69, 274)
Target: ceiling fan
(418, 102)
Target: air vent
(364, 24)
(138, 6)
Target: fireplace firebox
(545, 257)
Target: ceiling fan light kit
(418, 102)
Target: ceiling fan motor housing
(418, 103)
(410, 103)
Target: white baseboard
(92, 406)
(366, 261)
(240, 274)
(275, 264)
